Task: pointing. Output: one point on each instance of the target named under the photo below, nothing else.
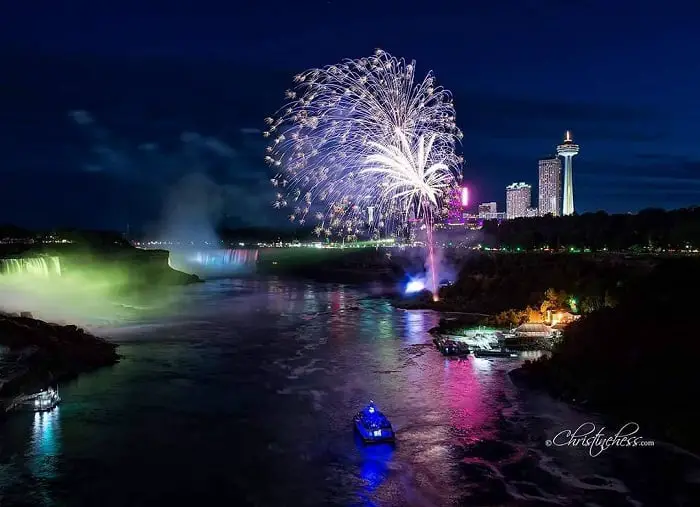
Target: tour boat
(46, 400)
(372, 425)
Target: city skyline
(640, 148)
(553, 196)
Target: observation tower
(568, 150)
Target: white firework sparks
(403, 178)
(364, 134)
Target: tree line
(650, 230)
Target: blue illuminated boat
(372, 425)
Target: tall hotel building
(459, 200)
(518, 199)
(550, 190)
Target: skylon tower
(568, 150)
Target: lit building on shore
(550, 189)
(531, 212)
(533, 330)
(518, 200)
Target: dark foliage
(650, 228)
(637, 360)
(495, 282)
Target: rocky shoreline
(35, 355)
(633, 363)
(671, 427)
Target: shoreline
(664, 428)
(35, 355)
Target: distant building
(459, 200)
(518, 200)
(550, 189)
(533, 330)
(531, 212)
(487, 208)
(560, 318)
(568, 150)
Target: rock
(60, 353)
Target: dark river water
(245, 397)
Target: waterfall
(43, 267)
(224, 258)
(215, 262)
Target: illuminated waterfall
(215, 262)
(228, 257)
(43, 267)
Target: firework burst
(363, 146)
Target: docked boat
(372, 425)
(42, 401)
(495, 353)
(451, 347)
(46, 400)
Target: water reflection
(415, 327)
(338, 307)
(45, 441)
(44, 452)
(374, 466)
(468, 408)
(254, 360)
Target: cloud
(202, 180)
(81, 117)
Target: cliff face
(130, 266)
(116, 265)
(36, 354)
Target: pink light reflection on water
(471, 410)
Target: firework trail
(362, 147)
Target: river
(244, 396)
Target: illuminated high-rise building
(459, 200)
(549, 201)
(568, 150)
(518, 200)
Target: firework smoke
(362, 147)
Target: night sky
(176, 88)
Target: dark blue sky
(622, 75)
